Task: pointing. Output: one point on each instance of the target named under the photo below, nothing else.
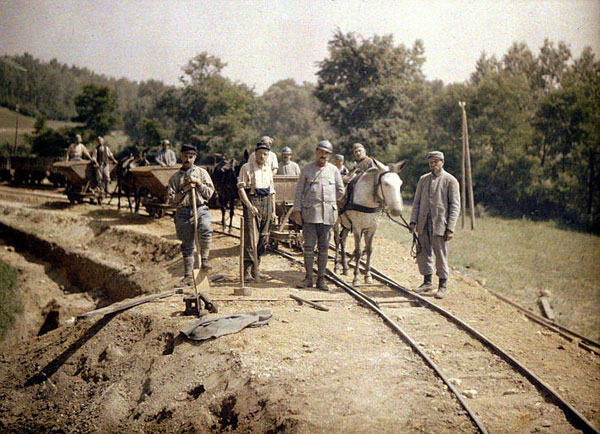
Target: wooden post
(463, 188)
(16, 130)
(467, 159)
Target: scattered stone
(429, 394)
(285, 321)
(561, 347)
(510, 392)
(455, 381)
(546, 423)
(306, 344)
(470, 393)
(10, 248)
(545, 293)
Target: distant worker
(180, 194)
(257, 193)
(271, 157)
(166, 156)
(434, 214)
(101, 155)
(338, 161)
(363, 162)
(288, 167)
(77, 150)
(318, 189)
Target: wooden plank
(546, 308)
(128, 303)
(311, 303)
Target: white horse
(374, 190)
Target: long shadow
(225, 252)
(54, 205)
(51, 368)
(116, 217)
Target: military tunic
(166, 157)
(317, 192)
(289, 169)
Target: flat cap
(186, 147)
(435, 154)
(286, 150)
(338, 157)
(165, 142)
(263, 145)
(266, 140)
(326, 146)
(357, 145)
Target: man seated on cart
(77, 150)
(180, 187)
(166, 157)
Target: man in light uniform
(434, 214)
(166, 156)
(257, 193)
(288, 167)
(363, 162)
(271, 156)
(101, 155)
(338, 161)
(179, 190)
(318, 189)
(77, 150)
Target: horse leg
(357, 239)
(231, 212)
(369, 249)
(223, 205)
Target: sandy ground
(306, 371)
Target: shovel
(199, 277)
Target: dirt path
(307, 371)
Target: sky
(263, 41)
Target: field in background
(116, 140)
(519, 258)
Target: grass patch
(520, 257)
(9, 303)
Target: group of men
(320, 186)
(101, 156)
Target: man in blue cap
(318, 189)
(434, 215)
(180, 189)
(257, 193)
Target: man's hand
(411, 227)
(448, 235)
(298, 217)
(253, 210)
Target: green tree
(96, 107)
(368, 89)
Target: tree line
(534, 117)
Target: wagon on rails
(284, 229)
(152, 184)
(30, 170)
(81, 181)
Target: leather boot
(308, 276)
(204, 251)
(322, 267)
(443, 287)
(426, 286)
(188, 268)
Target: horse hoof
(368, 279)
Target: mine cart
(5, 174)
(284, 229)
(81, 181)
(153, 182)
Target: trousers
(184, 227)
(262, 223)
(432, 245)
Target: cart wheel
(150, 211)
(159, 213)
(71, 198)
(80, 199)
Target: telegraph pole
(16, 129)
(467, 159)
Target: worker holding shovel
(187, 181)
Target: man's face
(360, 153)
(338, 163)
(78, 138)
(187, 159)
(286, 157)
(165, 146)
(101, 140)
(261, 156)
(435, 165)
(322, 156)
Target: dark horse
(126, 185)
(224, 176)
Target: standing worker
(180, 186)
(338, 161)
(77, 150)
(257, 193)
(271, 157)
(318, 189)
(166, 157)
(288, 167)
(434, 215)
(101, 155)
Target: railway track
(497, 392)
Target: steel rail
(368, 302)
(576, 418)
